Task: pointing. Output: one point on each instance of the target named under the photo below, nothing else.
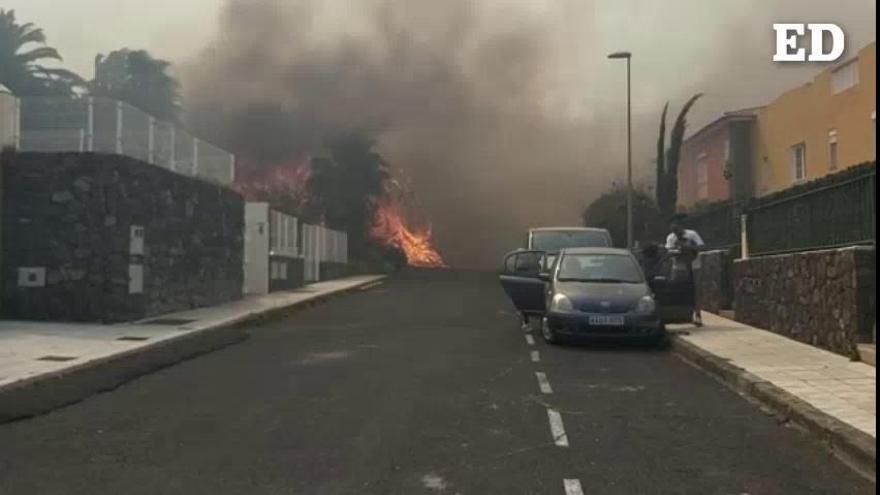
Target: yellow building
(819, 128)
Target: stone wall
(714, 283)
(824, 298)
(71, 214)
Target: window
(702, 177)
(799, 161)
(845, 77)
(612, 268)
(832, 149)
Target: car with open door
(523, 279)
(673, 287)
(588, 293)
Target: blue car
(589, 293)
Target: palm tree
(667, 165)
(137, 78)
(22, 49)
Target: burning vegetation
(350, 188)
(390, 229)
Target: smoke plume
(502, 115)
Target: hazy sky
(80, 29)
(671, 39)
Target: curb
(47, 392)
(854, 447)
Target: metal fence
(834, 215)
(103, 125)
(718, 225)
(322, 245)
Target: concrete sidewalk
(44, 365)
(827, 393)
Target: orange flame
(390, 229)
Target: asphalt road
(425, 384)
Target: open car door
(521, 278)
(673, 292)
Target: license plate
(607, 321)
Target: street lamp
(629, 184)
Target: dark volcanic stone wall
(72, 213)
(714, 284)
(824, 298)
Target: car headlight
(646, 305)
(561, 302)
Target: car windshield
(560, 239)
(619, 268)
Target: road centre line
(536, 357)
(557, 429)
(530, 340)
(543, 383)
(573, 487)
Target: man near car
(688, 244)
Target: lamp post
(629, 186)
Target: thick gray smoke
(502, 115)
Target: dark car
(587, 292)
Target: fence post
(195, 167)
(744, 235)
(172, 163)
(90, 136)
(16, 124)
(151, 140)
(118, 127)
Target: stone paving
(829, 382)
(29, 350)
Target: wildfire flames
(390, 229)
(289, 182)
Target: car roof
(558, 229)
(597, 250)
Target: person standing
(687, 262)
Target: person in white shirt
(688, 243)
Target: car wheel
(547, 333)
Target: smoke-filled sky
(502, 114)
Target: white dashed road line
(557, 429)
(536, 357)
(530, 340)
(573, 487)
(543, 383)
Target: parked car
(587, 292)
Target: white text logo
(787, 49)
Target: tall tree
(23, 51)
(608, 211)
(345, 188)
(667, 180)
(140, 80)
(660, 191)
